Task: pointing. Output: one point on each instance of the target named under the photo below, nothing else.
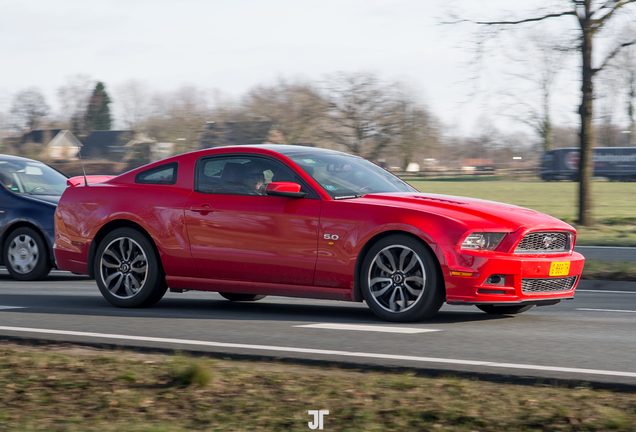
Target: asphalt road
(590, 339)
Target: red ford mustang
(307, 222)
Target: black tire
(26, 255)
(242, 297)
(504, 310)
(411, 288)
(127, 269)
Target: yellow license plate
(560, 268)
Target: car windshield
(346, 176)
(31, 178)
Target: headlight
(483, 241)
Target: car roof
(16, 158)
(286, 149)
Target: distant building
(119, 146)
(221, 134)
(477, 162)
(161, 150)
(39, 136)
(109, 145)
(64, 146)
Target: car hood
(49, 199)
(475, 213)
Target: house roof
(65, 139)
(42, 136)
(218, 134)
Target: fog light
(496, 280)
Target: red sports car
(307, 222)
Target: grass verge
(609, 270)
(114, 391)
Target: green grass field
(614, 204)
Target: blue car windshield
(345, 176)
(31, 178)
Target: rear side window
(163, 174)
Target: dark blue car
(29, 193)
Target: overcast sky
(232, 45)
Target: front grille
(547, 285)
(544, 242)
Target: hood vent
(442, 200)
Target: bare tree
(592, 17)
(295, 108)
(540, 57)
(73, 97)
(28, 109)
(4, 117)
(416, 129)
(607, 98)
(179, 117)
(360, 113)
(626, 67)
(134, 103)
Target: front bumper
(525, 278)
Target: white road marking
(326, 352)
(373, 328)
(605, 310)
(11, 307)
(607, 291)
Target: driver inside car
(254, 180)
(6, 180)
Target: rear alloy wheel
(242, 297)
(127, 270)
(504, 310)
(26, 255)
(400, 281)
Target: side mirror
(285, 189)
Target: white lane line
(607, 291)
(372, 328)
(605, 310)
(11, 307)
(326, 352)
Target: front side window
(242, 175)
(345, 176)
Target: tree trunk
(587, 133)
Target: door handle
(205, 208)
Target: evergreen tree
(98, 113)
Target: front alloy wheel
(400, 281)
(128, 271)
